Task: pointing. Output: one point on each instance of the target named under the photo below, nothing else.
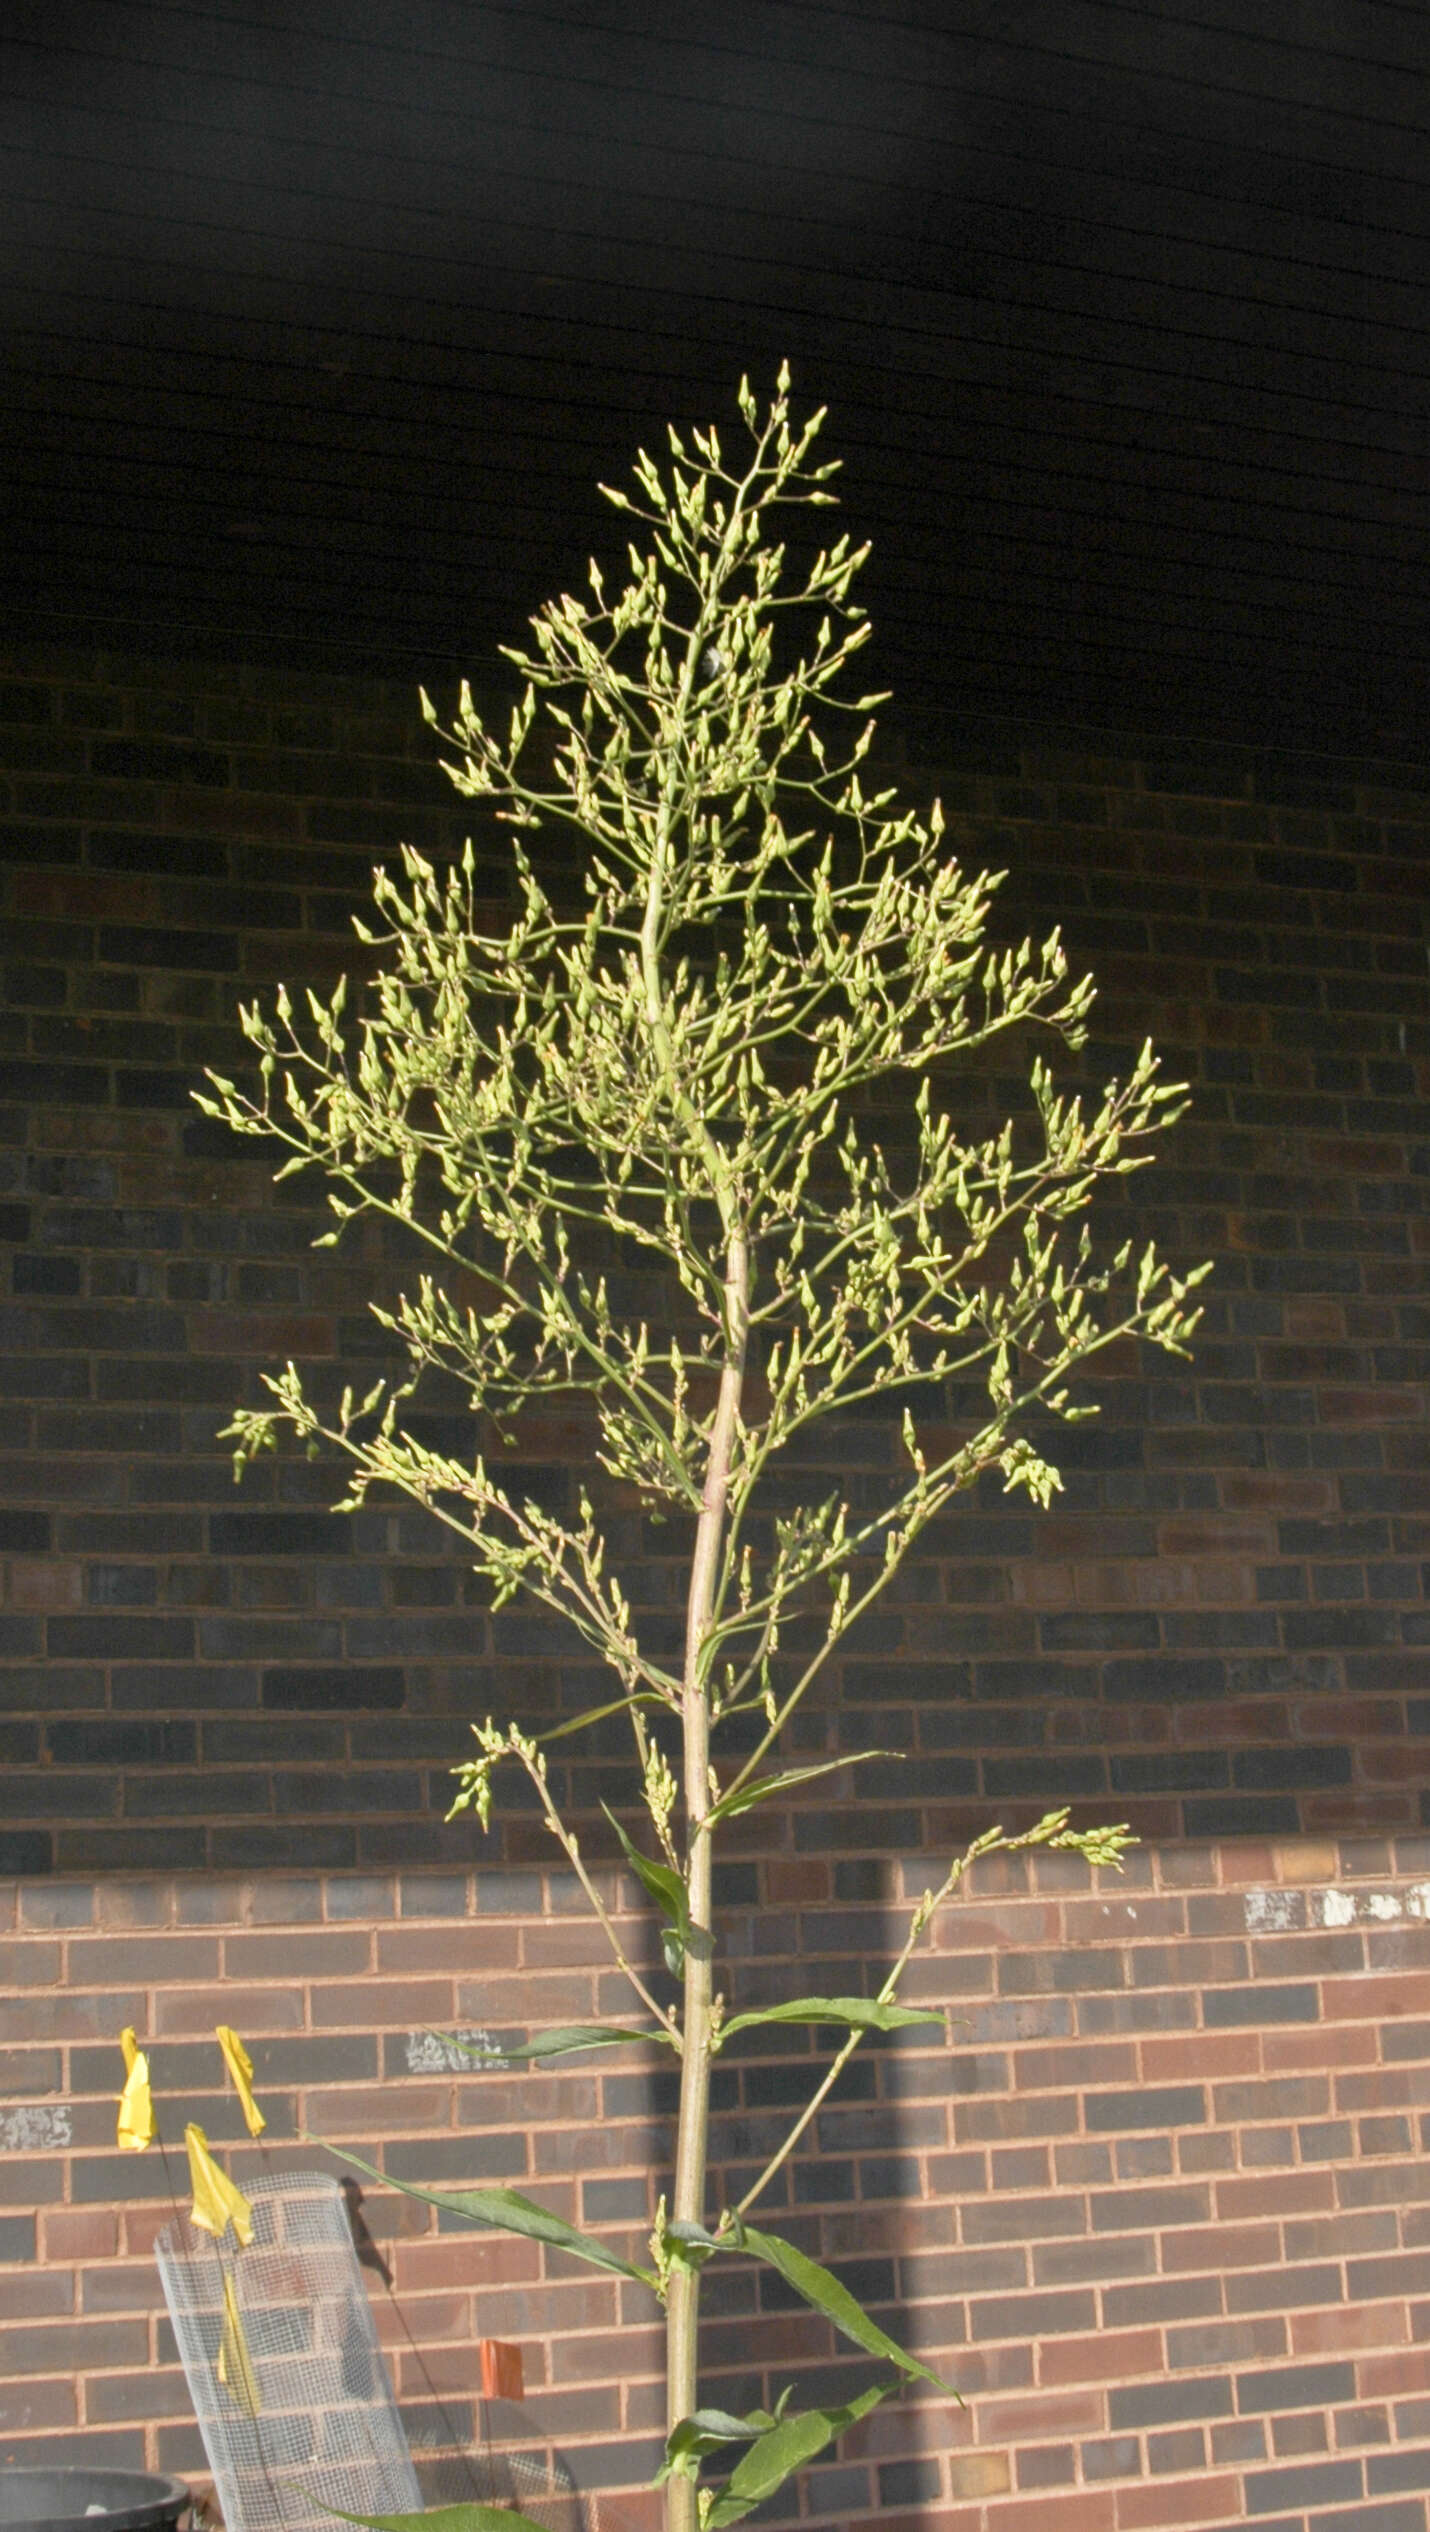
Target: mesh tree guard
(283, 2364)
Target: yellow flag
(135, 2127)
(235, 2365)
(240, 2067)
(218, 2201)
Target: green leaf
(704, 2431)
(825, 2293)
(760, 1788)
(598, 1714)
(785, 2448)
(512, 2213)
(667, 1890)
(856, 2013)
(471, 2518)
(555, 2043)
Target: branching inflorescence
(682, 1058)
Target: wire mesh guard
(285, 2373)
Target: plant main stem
(688, 2204)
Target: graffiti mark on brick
(35, 2127)
(465, 2052)
(1275, 1911)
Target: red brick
(1205, 2499)
(326, 1953)
(1342, 2044)
(1348, 2327)
(81, 2346)
(1185, 2055)
(1373, 1999)
(526, 2003)
(77, 2233)
(1113, 2356)
(480, 1946)
(1219, 2246)
(362, 2005)
(1305, 2192)
(32, 2403)
(73, 2017)
(28, 1962)
(378, 2109)
(1077, 2510)
(250, 2010)
(1013, 2416)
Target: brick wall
(1158, 2204)
(1220, 1628)
(1159, 2211)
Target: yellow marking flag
(235, 2365)
(218, 2201)
(135, 2127)
(240, 2067)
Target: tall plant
(683, 1056)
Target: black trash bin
(90, 2501)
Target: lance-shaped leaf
(667, 1890)
(556, 2043)
(825, 2293)
(510, 2213)
(760, 1788)
(706, 2430)
(785, 2448)
(855, 2013)
(471, 2518)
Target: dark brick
(1227, 2007)
(1305, 1765)
(279, 1534)
(121, 945)
(908, 2483)
(17, 2238)
(1042, 2316)
(24, 1533)
(157, 760)
(1304, 2485)
(1296, 2387)
(1106, 1632)
(108, 1742)
(1150, 2106)
(319, 1690)
(1387, 2471)
(121, 1638)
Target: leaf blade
(861, 2013)
(464, 2518)
(666, 1888)
(818, 2288)
(509, 2212)
(785, 2448)
(558, 2042)
(760, 1788)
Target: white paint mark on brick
(1374, 1907)
(1270, 1911)
(464, 2052)
(35, 2127)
